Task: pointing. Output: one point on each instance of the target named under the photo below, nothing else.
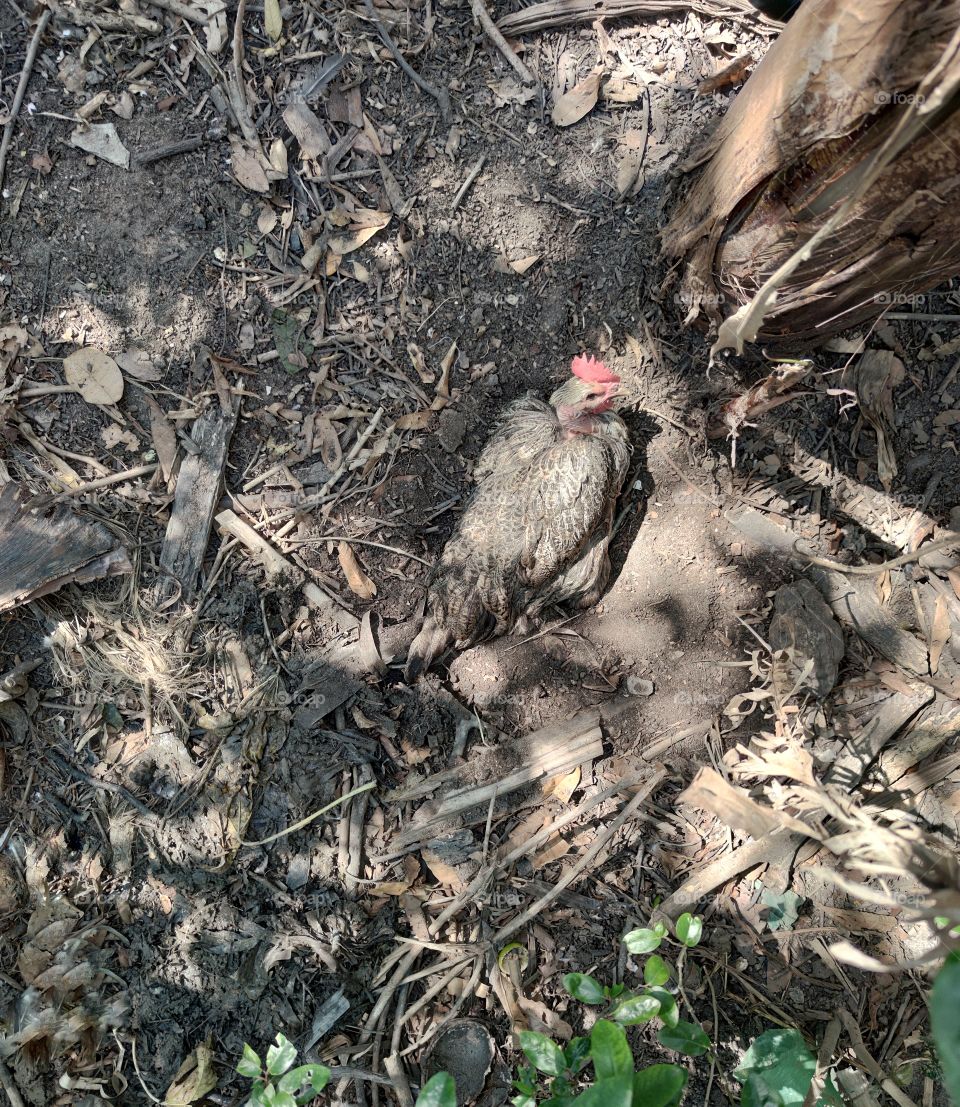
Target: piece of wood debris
(536, 758)
(275, 564)
(42, 549)
(199, 485)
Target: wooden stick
(492, 31)
(21, 90)
(441, 95)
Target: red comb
(588, 368)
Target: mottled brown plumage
(536, 530)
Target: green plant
(276, 1083)
(776, 1070)
(439, 1091)
(945, 1023)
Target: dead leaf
(521, 265)
(246, 167)
(953, 575)
(939, 632)
(508, 90)
(578, 101)
(195, 1078)
(733, 74)
(564, 786)
(363, 226)
(307, 129)
(325, 437)
(878, 374)
(360, 584)
(272, 19)
(419, 362)
(164, 437)
(267, 219)
(101, 140)
(95, 375)
(42, 163)
(137, 364)
(114, 436)
(414, 421)
(123, 106)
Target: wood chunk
(199, 485)
(803, 623)
(44, 548)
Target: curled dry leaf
(164, 437)
(360, 584)
(195, 1077)
(878, 374)
(578, 101)
(95, 375)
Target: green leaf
(784, 908)
(685, 1037)
(689, 929)
(609, 1049)
(614, 990)
(945, 1023)
(282, 1099)
(642, 941)
(249, 1063)
(523, 1101)
(314, 1076)
(577, 1053)
(280, 1056)
(659, 1086)
(783, 1065)
(542, 1053)
(439, 1091)
(617, 1091)
(583, 987)
(655, 971)
(637, 1009)
(258, 1095)
(757, 1093)
(669, 1011)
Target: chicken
(536, 529)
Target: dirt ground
(198, 937)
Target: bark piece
(803, 623)
(42, 549)
(199, 485)
(848, 126)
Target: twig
(235, 86)
(169, 149)
(96, 782)
(950, 541)
(441, 95)
(492, 31)
(6, 1082)
(185, 11)
(471, 177)
(359, 542)
(104, 482)
(21, 90)
(316, 815)
(572, 873)
(398, 1076)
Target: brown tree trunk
(831, 189)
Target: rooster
(537, 527)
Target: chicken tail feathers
(432, 642)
